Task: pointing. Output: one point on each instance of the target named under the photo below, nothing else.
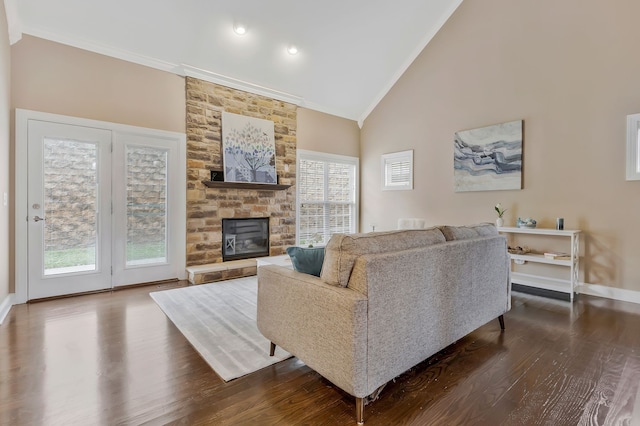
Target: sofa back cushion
(342, 250)
(452, 233)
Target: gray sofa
(385, 302)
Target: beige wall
(5, 155)
(570, 70)
(327, 133)
(55, 78)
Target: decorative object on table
(557, 255)
(560, 224)
(500, 211)
(248, 149)
(526, 223)
(488, 158)
(217, 176)
(518, 250)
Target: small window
(397, 170)
(633, 147)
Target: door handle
(37, 218)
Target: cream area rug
(219, 320)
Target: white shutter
(633, 147)
(397, 170)
(326, 199)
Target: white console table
(569, 286)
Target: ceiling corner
(14, 24)
(403, 68)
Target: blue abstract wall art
(488, 158)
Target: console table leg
(501, 319)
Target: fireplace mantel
(244, 185)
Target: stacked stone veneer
(206, 207)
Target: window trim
(633, 147)
(326, 157)
(394, 157)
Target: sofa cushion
(307, 260)
(452, 233)
(342, 250)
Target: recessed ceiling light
(240, 29)
(292, 50)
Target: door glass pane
(146, 205)
(70, 206)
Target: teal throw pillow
(307, 260)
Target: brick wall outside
(206, 207)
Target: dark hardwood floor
(114, 358)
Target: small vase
(499, 222)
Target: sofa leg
(272, 349)
(501, 319)
(360, 410)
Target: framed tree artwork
(248, 149)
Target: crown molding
(14, 24)
(91, 46)
(425, 41)
(183, 70)
(212, 77)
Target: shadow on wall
(601, 265)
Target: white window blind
(397, 170)
(633, 147)
(326, 199)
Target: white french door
(69, 220)
(104, 205)
(146, 177)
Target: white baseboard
(610, 292)
(5, 306)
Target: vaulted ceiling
(350, 52)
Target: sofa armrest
(323, 325)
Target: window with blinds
(326, 199)
(633, 147)
(397, 170)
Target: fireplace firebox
(244, 238)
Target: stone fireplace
(208, 206)
(244, 238)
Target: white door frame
(21, 179)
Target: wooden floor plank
(115, 358)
